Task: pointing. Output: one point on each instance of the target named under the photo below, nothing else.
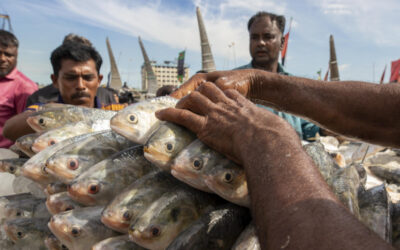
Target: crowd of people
(292, 206)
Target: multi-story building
(166, 74)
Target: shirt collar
(280, 69)
(12, 75)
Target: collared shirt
(97, 104)
(15, 88)
(305, 129)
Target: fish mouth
(138, 237)
(123, 129)
(37, 147)
(159, 159)
(52, 206)
(58, 229)
(59, 172)
(10, 232)
(114, 224)
(33, 172)
(191, 179)
(239, 195)
(78, 193)
(26, 149)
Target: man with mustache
(15, 87)
(76, 74)
(266, 42)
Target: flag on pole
(383, 75)
(394, 75)
(319, 74)
(181, 68)
(326, 75)
(285, 44)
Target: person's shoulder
(106, 96)
(24, 80)
(246, 66)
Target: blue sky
(366, 32)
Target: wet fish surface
(138, 121)
(103, 181)
(218, 229)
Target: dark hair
(74, 38)
(280, 20)
(77, 52)
(165, 90)
(8, 39)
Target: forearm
(356, 109)
(293, 207)
(17, 126)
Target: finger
(189, 86)
(196, 102)
(182, 117)
(236, 96)
(213, 93)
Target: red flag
(285, 45)
(394, 75)
(383, 75)
(326, 75)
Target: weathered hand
(239, 80)
(228, 122)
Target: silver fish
(103, 181)
(165, 218)
(117, 243)
(80, 228)
(165, 143)
(137, 121)
(77, 157)
(218, 229)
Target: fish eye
(44, 170)
(127, 216)
(11, 169)
(228, 177)
(18, 213)
(20, 234)
(52, 142)
(169, 147)
(94, 188)
(41, 121)
(64, 247)
(155, 231)
(75, 231)
(72, 164)
(197, 163)
(132, 118)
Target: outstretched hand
(227, 122)
(239, 80)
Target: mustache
(80, 94)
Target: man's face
(8, 59)
(77, 82)
(265, 41)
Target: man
(266, 42)
(76, 75)
(15, 87)
(292, 206)
(50, 93)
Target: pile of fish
(125, 180)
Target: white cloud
(343, 67)
(369, 19)
(225, 21)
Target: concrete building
(166, 74)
